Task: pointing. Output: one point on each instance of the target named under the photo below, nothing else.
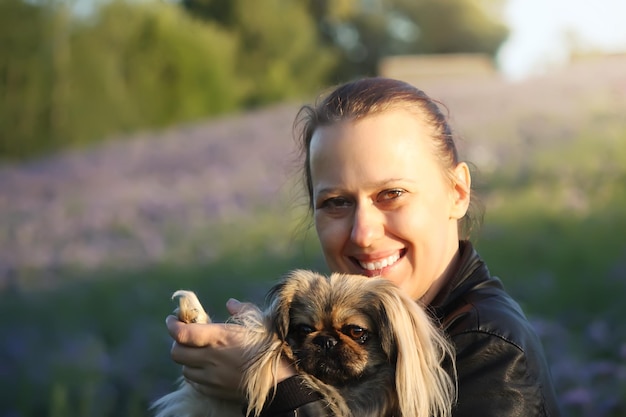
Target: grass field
(83, 325)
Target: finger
(213, 390)
(208, 386)
(198, 377)
(175, 327)
(234, 306)
(237, 307)
(201, 335)
(203, 389)
(190, 334)
(192, 357)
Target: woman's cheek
(332, 235)
(329, 236)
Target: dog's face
(334, 343)
(335, 328)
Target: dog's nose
(325, 342)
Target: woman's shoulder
(490, 310)
(494, 343)
(474, 301)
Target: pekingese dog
(368, 349)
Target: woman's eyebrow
(387, 183)
(327, 191)
(375, 185)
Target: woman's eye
(389, 195)
(335, 203)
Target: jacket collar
(470, 271)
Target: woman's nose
(367, 226)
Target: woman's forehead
(397, 128)
(386, 149)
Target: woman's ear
(461, 191)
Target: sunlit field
(94, 242)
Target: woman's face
(383, 205)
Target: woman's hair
(368, 96)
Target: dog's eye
(303, 329)
(356, 332)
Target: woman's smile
(377, 266)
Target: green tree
(66, 80)
(24, 81)
(453, 26)
(222, 11)
(280, 51)
(156, 66)
(362, 32)
(280, 55)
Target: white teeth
(373, 266)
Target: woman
(390, 197)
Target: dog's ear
(424, 387)
(259, 375)
(281, 296)
(278, 309)
(385, 322)
(295, 286)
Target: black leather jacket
(501, 368)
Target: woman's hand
(212, 354)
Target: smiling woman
(390, 198)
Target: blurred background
(146, 146)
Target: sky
(540, 29)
